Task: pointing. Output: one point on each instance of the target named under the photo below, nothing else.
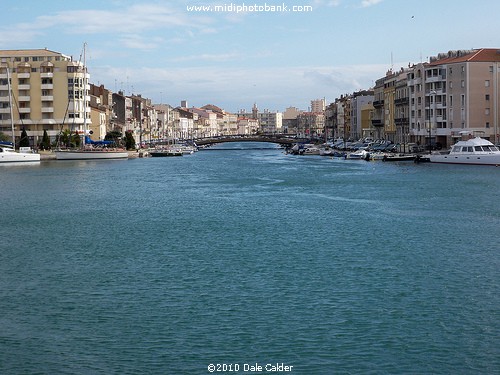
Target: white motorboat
(478, 151)
(10, 155)
(359, 155)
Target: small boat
(475, 151)
(9, 155)
(158, 153)
(359, 155)
(399, 157)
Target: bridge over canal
(281, 139)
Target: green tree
(114, 136)
(45, 143)
(68, 139)
(25, 141)
(129, 140)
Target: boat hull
(162, 154)
(493, 159)
(90, 155)
(19, 158)
(10, 156)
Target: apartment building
(358, 101)
(455, 92)
(42, 90)
(318, 105)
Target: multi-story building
(401, 107)
(311, 124)
(378, 118)
(289, 124)
(48, 92)
(358, 101)
(455, 92)
(318, 105)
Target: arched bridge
(282, 139)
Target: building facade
(42, 90)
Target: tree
(45, 143)
(129, 140)
(68, 139)
(25, 141)
(114, 136)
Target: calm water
(245, 257)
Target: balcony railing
(377, 123)
(401, 101)
(402, 121)
(378, 103)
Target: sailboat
(8, 153)
(91, 150)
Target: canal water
(249, 261)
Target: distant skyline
(168, 52)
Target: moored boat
(157, 153)
(9, 155)
(91, 154)
(399, 157)
(475, 151)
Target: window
(487, 125)
(462, 84)
(487, 111)
(487, 83)
(487, 97)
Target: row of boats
(25, 154)
(474, 151)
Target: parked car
(415, 148)
(433, 146)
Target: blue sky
(162, 51)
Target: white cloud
(237, 88)
(369, 3)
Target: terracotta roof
(479, 55)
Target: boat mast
(9, 88)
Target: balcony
(47, 86)
(23, 75)
(24, 98)
(401, 101)
(435, 79)
(402, 121)
(24, 87)
(47, 75)
(377, 123)
(378, 103)
(47, 109)
(47, 98)
(24, 110)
